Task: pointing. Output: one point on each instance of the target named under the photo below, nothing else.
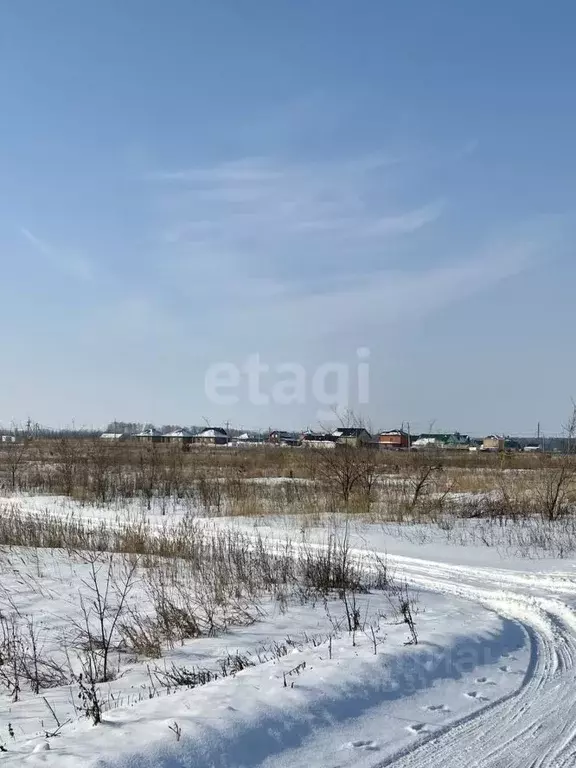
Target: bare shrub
(422, 471)
(148, 472)
(13, 458)
(11, 652)
(331, 566)
(23, 659)
(141, 635)
(554, 490)
(103, 469)
(345, 470)
(98, 630)
(183, 677)
(404, 603)
(66, 452)
(91, 702)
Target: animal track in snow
(370, 746)
(476, 695)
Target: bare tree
(345, 469)
(66, 451)
(102, 462)
(148, 471)
(422, 469)
(16, 454)
(554, 490)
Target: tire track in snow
(535, 726)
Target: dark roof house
(318, 440)
(212, 436)
(355, 436)
(279, 437)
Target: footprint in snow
(476, 696)
(369, 745)
(504, 668)
(417, 727)
(437, 708)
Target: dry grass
(267, 481)
(144, 591)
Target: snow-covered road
(521, 694)
(534, 726)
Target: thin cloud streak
(270, 215)
(408, 222)
(382, 298)
(70, 263)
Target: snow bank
(274, 707)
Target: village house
(279, 437)
(458, 440)
(498, 443)
(394, 439)
(318, 440)
(357, 437)
(212, 436)
(442, 440)
(249, 438)
(149, 435)
(180, 436)
(493, 443)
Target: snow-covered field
(490, 682)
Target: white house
(150, 435)
(212, 436)
(180, 436)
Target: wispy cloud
(290, 219)
(70, 262)
(301, 256)
(246, 170)
(407, 222)
(388, 298)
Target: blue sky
(184, 184)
